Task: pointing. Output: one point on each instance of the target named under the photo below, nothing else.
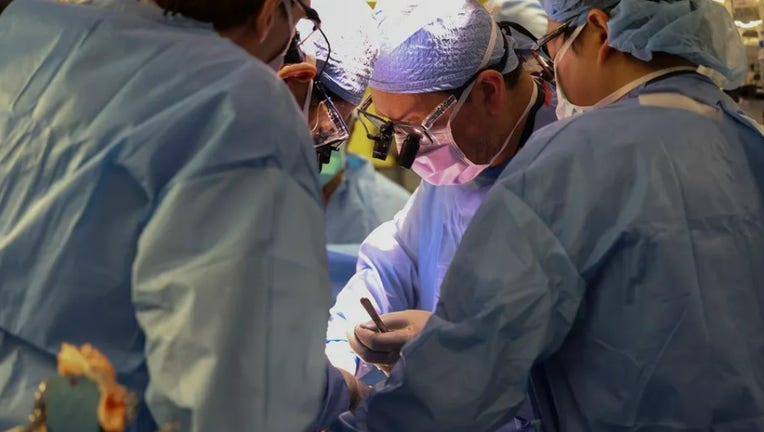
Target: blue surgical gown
(158, 199)
(622, 250)
(402, 263)
(364, 200)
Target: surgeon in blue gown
(357, 198)
(159, 199)
(457, 61)
(621, 251)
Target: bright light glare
(748, 25)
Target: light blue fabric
(434, 45)
(401, 264)
(527, 13)
(364, 200)
(352, 33)
(342, 261)
(629, 262)
(573, 10)
(158, 199)
(700, 31)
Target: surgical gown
(158, 199)
(622, 250)
(402, 263)
(364, 200)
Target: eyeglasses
(325, 140)
(294, 52)
(407, 135)
(540, 51)
(331, 138)
(545, 70)
(543, 41)
(310, 14)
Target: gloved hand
(384, 349)
(358, 389)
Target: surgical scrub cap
(527, 13)
(350, 28)
(700, 31)
(435, 45)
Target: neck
(516, 104)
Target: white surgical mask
(566, 109)
(278, 61)
(442, 162)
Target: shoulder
(592, 135)
(592, 158)
(259, 120)
(226, 109)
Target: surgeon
(357, 198)
(620, 253)
(160, 200)
(448, 76)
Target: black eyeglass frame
(543, 41)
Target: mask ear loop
(292, 31)
(483, 63)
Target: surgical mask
(566, 109)
(442, 162)
(278, 61)
(330, 170)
